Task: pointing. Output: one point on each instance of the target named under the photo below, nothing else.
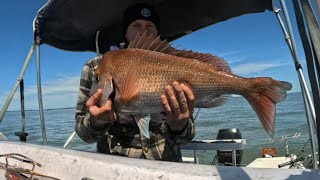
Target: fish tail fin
(266, 93)
(143, 124)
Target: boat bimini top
(72, 25)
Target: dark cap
(140, 11)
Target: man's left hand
(178, 103)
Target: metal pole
(97, 43)
(312, 136)
(2, 137)
(69, 139)
(313, 30)
(234, 157)
(317, 3)
(292, 46)
(23, 114)
(43, 128)
(8, 101)
(195, 157)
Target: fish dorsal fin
(149, 43)
(216, 61)
(156, 44)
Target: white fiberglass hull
(71, 164)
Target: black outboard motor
(225, 157)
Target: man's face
(139, 26)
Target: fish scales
(156, 70)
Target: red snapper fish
(138, 75)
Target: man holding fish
(143, 96)
(150, 136)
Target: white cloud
(61, 85)
(57, 93)
(232, 53)
(235, 56)
(250, 68)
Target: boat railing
(226, 144)
(285, 140)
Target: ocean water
(236, 113)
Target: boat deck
(269, 162)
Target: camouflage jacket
(162, 145)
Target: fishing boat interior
(85, 25)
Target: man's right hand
(102, 114)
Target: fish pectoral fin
(215, 102)
(143, 124)
(129, 88)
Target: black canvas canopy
(72, 24)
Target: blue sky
(252, 44)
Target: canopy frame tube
(42, 123)
(18, 83)
(10, 97)
(306, 95)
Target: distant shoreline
(50, 109)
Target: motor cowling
(225, 156)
